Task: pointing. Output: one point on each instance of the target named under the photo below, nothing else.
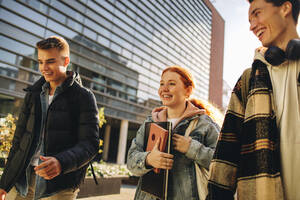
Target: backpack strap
(191, 127)
(200, 172)
(245, 86)
(93, 172)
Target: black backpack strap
(245, 86)
(93, 172)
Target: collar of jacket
(259, 77)
(160, 114)
(71, 78)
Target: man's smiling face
(267, 22)
(52, 65)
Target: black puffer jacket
(71, 134)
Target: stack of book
(155, 182)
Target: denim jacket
(23, 184)
(182, 178)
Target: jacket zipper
(45, 125)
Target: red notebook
(156, 132)
(160, 189)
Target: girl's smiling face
(172, 90)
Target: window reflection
(99, 18)
(121, 22)
(61, 29)
(123, 95)
(17, 73)
(89, 33)
(131, 91)
(37, 5)
(98, 87)
(112, 92)
(67, 10)
(99, 79)
(96, 27)
(16, 46)
(117, 46)
(58, 16)
(8, 70)
(13, 5)
(99, 8)
(27, 62)
(50, 33)
(72, 24)
(7, 83)
(7, 56)
(116, 84)
(21, 22)
(14, 32)
(77, 4)
(130, 12)
(27, 76)
(115, 88)
(103, 41)
(106, 5)
(122, 33)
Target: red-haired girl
(176, 86)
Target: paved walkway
(127, 193)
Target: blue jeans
(67, 194)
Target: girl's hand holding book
(158, 159)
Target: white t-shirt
(286, 90)
(173, 121)
(50, 99)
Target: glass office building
(119, 47)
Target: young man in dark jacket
(56, 134)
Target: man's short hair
(295, 6)
(56, 42)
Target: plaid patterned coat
(247, 156)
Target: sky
(239, 43)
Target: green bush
(104, 169)
(7, 130)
